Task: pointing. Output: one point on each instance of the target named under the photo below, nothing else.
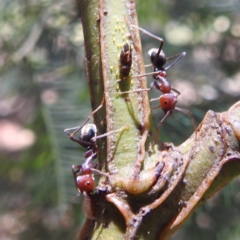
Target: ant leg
(152, 85)
(178, 58)
(176, 91)
(73, 138)
(71, 135)
(160, 124)
(108, 133)
(72, 128)
(137, 90)
(187, 112)
(144, 75)
(75, 170)
(148, 65)
(155, 37)
(164, 118)
(66, 131)
(155, 99)
(150, 34)
(100, 172)
(141, 75)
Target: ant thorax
(88, 132)
(158, 60)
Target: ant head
(168, 102)
(158, 60)
(88, 132)
(85, 183)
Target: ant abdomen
(168, 102)
(85, 183)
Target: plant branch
(152, 188)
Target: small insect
(168, 99)
(125, 60)
(83, 174)
(158, 57)
(88, 132)
(84, 181)
(83, 177)
(158, 60)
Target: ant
(168, 100)
(83, 177)
(158, 57)
(125, 60)
(84, 181)
(88, 132)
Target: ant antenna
(178, 58)
(149, 34)
(84, 123)
(111, 132)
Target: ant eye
(85, 183)
(88, 132)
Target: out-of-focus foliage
(42, 85)
(44, 90)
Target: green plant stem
(152, 188)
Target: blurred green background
(43, 89)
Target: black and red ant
(84, 181)
(158, 57)
(83, 177)
(168, 100)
